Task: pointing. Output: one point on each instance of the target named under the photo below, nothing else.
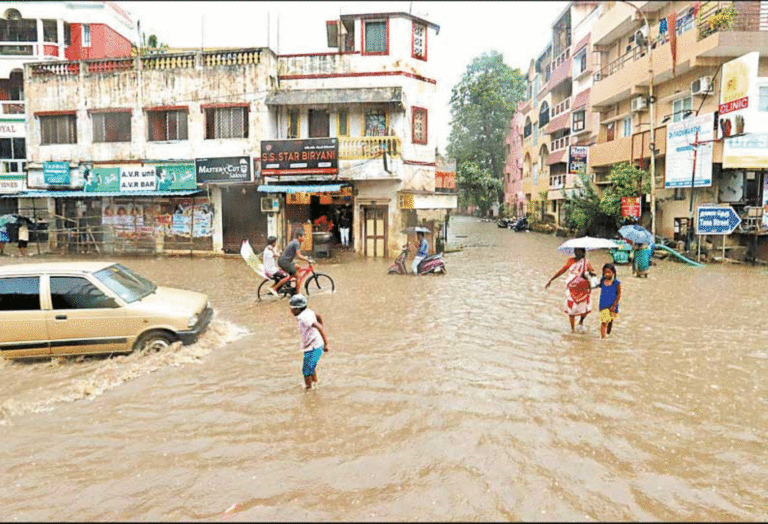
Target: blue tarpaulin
(314, 188)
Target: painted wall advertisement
(135, 179)
(681, 137)
(223, 169)
(739, 97)
(309, 156)
(183, 218)
(577, 159)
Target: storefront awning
(314, 188)
(368, 95)
(83, 194)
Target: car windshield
(126, 284)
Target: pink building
(514, 197)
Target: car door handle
(61, 317)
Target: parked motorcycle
(432, 264)
(521, 224)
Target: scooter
(521, 224)
(431, 264)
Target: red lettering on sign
(734, 105)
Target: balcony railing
(560, 143)
(368, 147)
(13, 167)
(562, 107)
(12, 107)
(561, 58)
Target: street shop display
(131, 220)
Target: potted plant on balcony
(720, 21)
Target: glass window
(20, 294)
(13, 148)
(78, 293)
(580, 62)
(18, 30)
(86, 28)
(167, 125)
(419, 125)
(685, 21)
(376, 37)
(375, 122)
(762, 103)
(544, 114)
(419, 41)
(58, 129)
(126, 284)
(579, 121)
(293, 123)
(626, 127)
(50, 32)
(226, 122)
(342, 122)
(67, 34)
(681, 109)
(112, 127)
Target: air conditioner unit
(701, 86)
(641, 37)
(270, 204)
(639, 104)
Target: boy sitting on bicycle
(270, 266)
(285, 261)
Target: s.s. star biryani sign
(312, 156)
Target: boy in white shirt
(314, 341)
(269, 258)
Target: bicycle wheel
(263, 293)
(320, 283)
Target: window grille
(112, 127)
(419, 41)
(376, 37)
(167, 125)
(419, 125)
(226, 122)
(58, 129)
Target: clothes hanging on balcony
(662, 25)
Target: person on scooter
(422, 249)
(270, 266)
(291, 251)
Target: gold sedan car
(68, 308)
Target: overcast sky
(518, 30)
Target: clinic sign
(312, 156)
(739, 97)
(681, 140)
(56, 173)
(223, 169)
(715, 220)
(577, 159)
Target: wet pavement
(456, 397)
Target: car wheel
(155, 341)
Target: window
(376, 39)
(419, 41)
(112, 126)
(626, 127)
(13, 148)
(579, 121)
(20, 294)
(527, 128)
(762, 100)
(293, 123)
(610, 131)
(50, 32)
(78, 293)
(67, 34)
(86, 29)
(580, 62)
(535, 133)
(679, 108)
(58, 129)
(375, 122)
(18, 30)
(685, 21)
(544, 114)
(342, 123)
(319, 123)
(167, 125)
(226, 122)
(419, 125)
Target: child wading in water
(314, 341)
(610, 294)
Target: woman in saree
(578, 302)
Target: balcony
(562, 107)
(15, 107)
(560, 143)
(368, 147)
(561, 68)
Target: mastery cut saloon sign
(312, 156)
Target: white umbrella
(588, 243)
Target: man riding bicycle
(285, 261)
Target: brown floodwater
(456, 397)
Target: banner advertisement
(56, 173)
(135, 179)
(311, 156)
(224, 169)
(176, 177)
(630, 207)
(680, 143)
(749, 151)
(577, 159)
(739, 98)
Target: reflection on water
(458, 397)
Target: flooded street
(456, 397)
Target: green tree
(477, 186)
(482, 104)
(625, 181)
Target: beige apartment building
(646, 69)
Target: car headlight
(192, 321)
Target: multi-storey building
(42, 32)
(514, 199)
(195, 143)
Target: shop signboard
(12, 184)
(630, 207)
(311, 156)
(739, 97)
(223, 169)
(137, 179)
(56, 173)
(12, 129)
(748, 152)
(680, 145)
(577, 159)
(176, 177)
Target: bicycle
(314, 284)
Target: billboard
(223, 169)
(311, 156)
(749, 151)
(56, 173)
(135, 179)
(739, 97)
(680, 145)
(577, 159)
